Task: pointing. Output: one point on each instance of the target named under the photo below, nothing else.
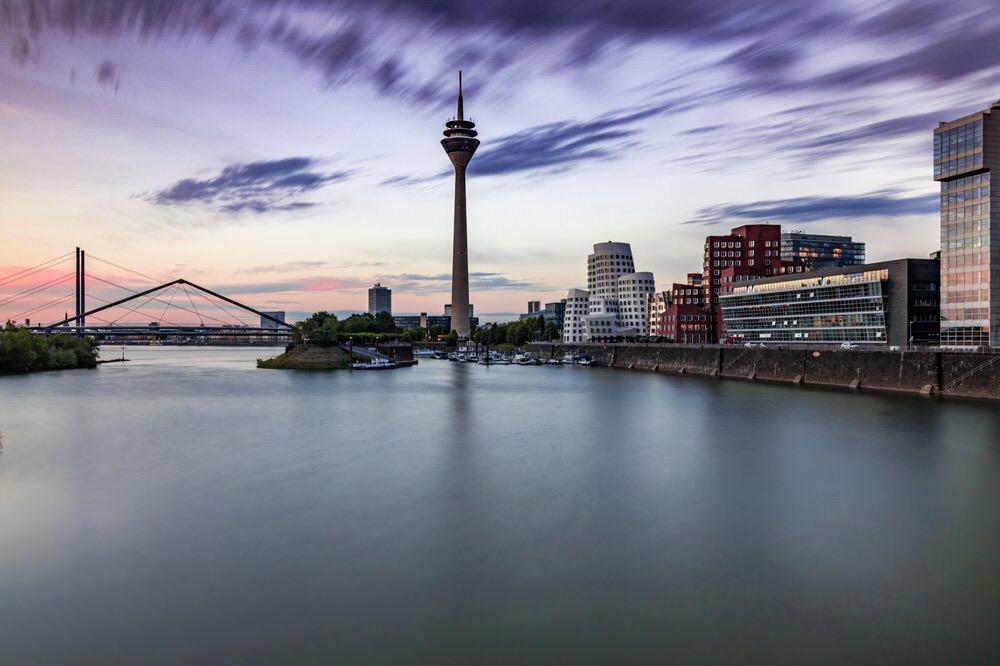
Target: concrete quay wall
(932, 372)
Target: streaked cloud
(800, 210)
(254, 187)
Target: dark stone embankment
(933, 372)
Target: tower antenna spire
(460, 116)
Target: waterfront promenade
(928, 371)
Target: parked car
(848, 345)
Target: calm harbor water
(187, 507)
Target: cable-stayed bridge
(149, 308)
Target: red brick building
(680, 314)
(750, 252)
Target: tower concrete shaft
(460, 144)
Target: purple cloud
(802, 210)
(254, 187)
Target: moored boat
(374, 364)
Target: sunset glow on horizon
(286, 153)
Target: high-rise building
(966, 153)
(379, 299)
(749, 252)
(460, 144)
(534, 307)
(817, 251)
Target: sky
(286, 152)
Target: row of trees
(22, 351)
(324, 329)
(516, 333)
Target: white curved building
(635, 291)
(618, 302)
(576, 309)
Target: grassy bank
(22, 352)
(303, 357)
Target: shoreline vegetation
(317, 339)
(23, 352)
(307, 357)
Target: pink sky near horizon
(258, 168)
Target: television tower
(460, 143)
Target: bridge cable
(44, 306)
(146, 302)
(14, 277)
(226, 311)
(201, 321)
(36, 289)
(164, 314)
(154, 280)
(220, 307)
(114, 284)
(131, 310)
(138, 309)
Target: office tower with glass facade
(817, 251)
(379, 299)
(965, 156)
(887, 303)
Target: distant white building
(576, 309)
(618, 297)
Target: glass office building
(893, 302)
(820, 251)
(964, 158)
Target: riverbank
(936, 372)
(302, 357)
(22, 352)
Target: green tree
(24, 351)
(384, 323)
